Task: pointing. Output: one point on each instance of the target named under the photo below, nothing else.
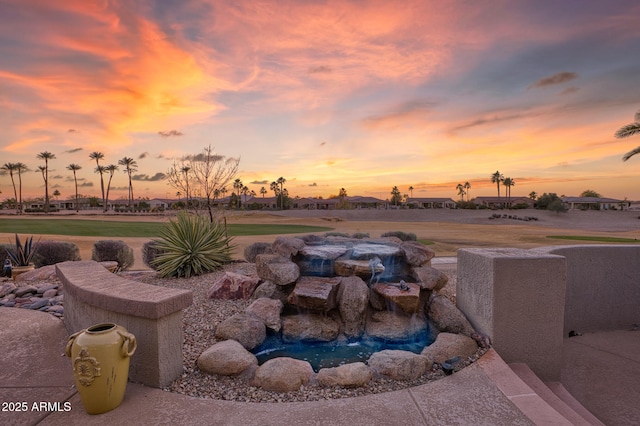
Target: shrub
(360, 235)
(557, 206)
(192, 246)
(150, 252)
(466, 205)
(52, 252)
(113, 250)
(336, 234)
(404, 236)
(253, 250)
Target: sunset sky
(364, 95)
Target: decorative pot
(100, 360)
(18, 270)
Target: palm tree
(130, 166)
(461, 191)
(281, 181)
(395, 195)
(96, 155)
(496, 178)
(508, 183)
(46, 156)
(20, 167)
(411, 191)
(111, 168)
(630, 130)
(467, 187)
(263, 191)
(10, 168)
(74, 168)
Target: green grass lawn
(426, 242)
(105, 228)
(592, 238)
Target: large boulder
(282, 374)
(253, 250)
(351, 375)
(407, 300)
(417, 254)
(231, 286)
(399, 365)
(315, 293)
(353, 300)
(394, 326)
(287, 246)
(309, 328)
(429, 278)
(248, 330)
(449, 345)
(39, 274)
(228, 358)
(360, 268)
(447, 317)
(268, 310)
(278, 269)
(269, 289)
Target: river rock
(282, 374)
(399, 365)
(278, 269)
(447, 317)
(287, 246)
(38, 303)
(351, 375)
(417, 254)
(246, 329)
(429, 278)
(407, 300)
(268, 310)
(27, 289)
(315, 293)
(232, 286)
(48, 294)
(7, 288)
(353, 300)
(253, 250)
(227, 358)
(394, 326)
(309, 328)
(449, 345)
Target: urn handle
(129, 343)
(72, 339)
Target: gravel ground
(200, 321)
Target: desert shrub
(113, 250)
(360, 235)
(520, 206)
(253, 250)
(336, 234)
(192, 245)
(557, 206)
(404, 236)
(466, 205)
(150, 252)
(52, 252)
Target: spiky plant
(191, 246)
(21, 255)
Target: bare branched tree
(208, 173)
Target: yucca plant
(21, 255)
(191, 246)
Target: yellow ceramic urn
(100, 360)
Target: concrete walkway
(35, 371)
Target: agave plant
(191, 246)
(21, 255)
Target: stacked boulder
(338, 289)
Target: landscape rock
(417, 254)
(246, 329)
(353, 300)
(227, 358)
(253, 250)
(315, 293)
(447, 317)
(282, 375)
(309, 328)
(407, 300)
(7, 288)
(232, 286)
(278, 269)
(399, 365)
(351, 375)
(360, 268)
(270, 290)
(394, 326)
(268, 310)
(24, 290)
(287, 246)
(449, 345)
(50, 293)
(429, 278)
(39, 274)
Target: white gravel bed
(200, 321)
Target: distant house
(501, 202)
(432, 203)
(359, 202)
(595, 203)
